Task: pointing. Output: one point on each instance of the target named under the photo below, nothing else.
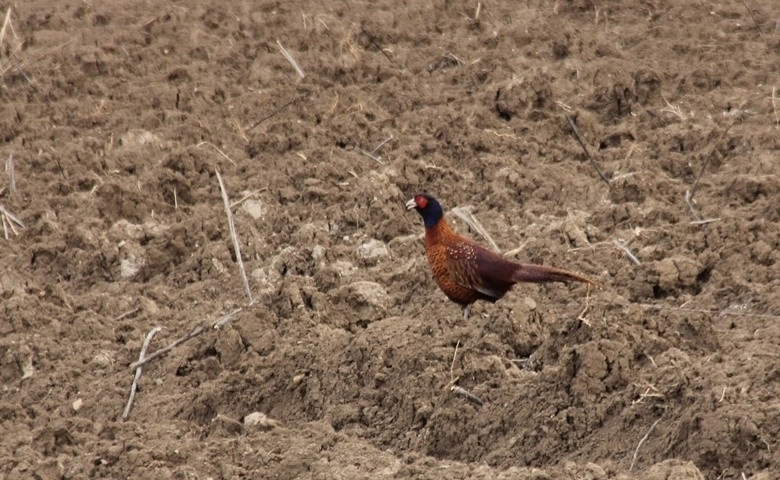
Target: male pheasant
(467, 272)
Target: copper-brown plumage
(467, 272)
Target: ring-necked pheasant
(467, 272)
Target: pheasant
(467, 272)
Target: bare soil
(118, 114)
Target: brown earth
(117, 115)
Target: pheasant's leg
(466, 311)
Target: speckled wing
(474, 267)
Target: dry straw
(234, 237)
(290, 59)
(138, 369)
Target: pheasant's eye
(421, 201)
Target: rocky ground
(116, 117)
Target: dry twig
(650, 390)
(141, 356)
(234, 237)
(381, 144)
(200, 144)
(5, 66)
(704, 221)
(247, 197)
(9, 219)
(675, 110)
(126, 314)
(585, 149)
(456, 389)
(277, 110)
(221, 321)
(636, 451)
(373, 42)
(750, 12)
(9, 167)
(628, 253)
(689, 202)
(5, 24)
(690, 193)
(452, 364)
(15, 46)
(372, 154)
(528, 363)
(290, 59)
(581, 316)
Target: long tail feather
(541, 274)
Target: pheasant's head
(428, 208)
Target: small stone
(77, 404)
(372, 249)
(318, 252)
(128, 267)
(368, 293)
(254, 208)
(530, 303)
(260, 420)
(26, 362)
(138, 138)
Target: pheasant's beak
(411, 204)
